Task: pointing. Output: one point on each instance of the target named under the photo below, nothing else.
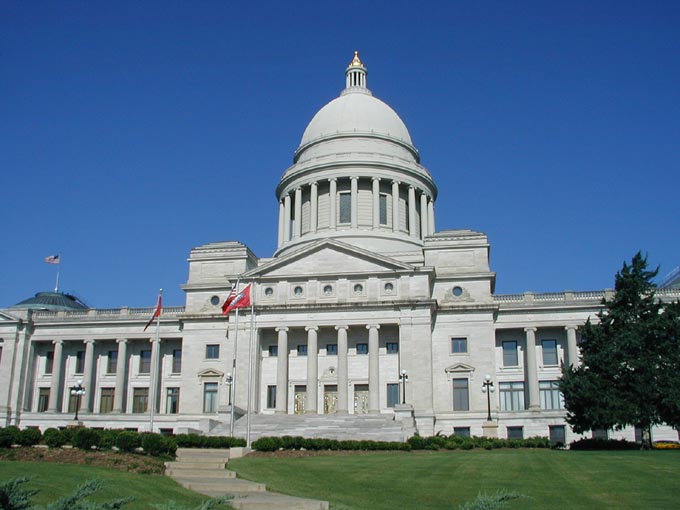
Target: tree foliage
(630, 359)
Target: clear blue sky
(131, 132)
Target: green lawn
(443, 480)
(57, 480)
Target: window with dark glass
(459, 345)
(332, 349)
(49, 362)
(515, 432)
(362, 348)
(549, 348)
(210, 397)
(302, 350)
(106, 400)
(461, 431)
(145, 361)
(392, 394)
(140, 400)
(392, 347)
(80, 362)
(273, 350)
(111, 362)
(212, 351)
(345, 209)
(172, 401)
(549, 393)
(271, 397)
(461, 399)
(43, 399)
(510, 358)
(176, 361)
(383, 209)
(512, 396)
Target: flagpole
(56, 285)
(233, 378)
(154, 366)
(250, 363)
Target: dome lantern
(356, 76)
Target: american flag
(52, 259)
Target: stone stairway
(373, 427)
(204, 471)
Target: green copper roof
(52, 301)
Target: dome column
(430, 216)
(286, 218)
(423, 215)
(413, 232)
(282, 216)
(297, 221)
(376, 203)
(395, 206)
(314, 207)
(354, 189)
(332, 201)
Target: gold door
(300, 399)
(330, 399)
(361, 399)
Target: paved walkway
(204, 471)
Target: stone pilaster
(373, 368)
(532, 369)
(56, 386)
(282, 372)
(343, 375)
(312, 370)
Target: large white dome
(356, 112)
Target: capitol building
(368, 322)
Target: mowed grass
(443, 480)
(58, 480)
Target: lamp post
(487, 387)
(228, 379)
(78, 391)
(403, 377)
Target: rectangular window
(392, 347)
(362, 348)
(600, 434)
(392, 394)
(177, 361)
(302, 350)
(549, 348)
(461, 400)
(383, 209)
(140, 400)
(80, 362)
(111, 362)
(145, 362)
(273, 350)
(515, 432)
(459, 345)
(172, 401)
(510, 358)
(73, 403)
(210, 397)
(512, 396)
(558, 435)
(345, 208)
(212, 351)
(550, 395)
(106, 400)
(271, 397)
(49, 362)
(332, 349)
(43, 399)
(461, 431)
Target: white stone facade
(361, 289)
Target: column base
(74, 424)
(341, 412)
(311, 411)
(490, 429)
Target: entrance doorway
(330, 398)
(299, 399)
(360, 398)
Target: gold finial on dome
(356, 62)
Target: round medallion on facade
(457, 291)
(215, 300)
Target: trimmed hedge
(29, 437)
(198, 441)
(9, 436)
(128, 441)
(54, 438)
(455, 442)
(85, 439)
(270, 444)
(603, 444)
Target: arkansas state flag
(157, 312)
(232, 295)
(241, 300)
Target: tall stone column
(332, 203)
(412, 230)
(376, 202)
(430, 217)
(314, 207)
(282, 372)
(312, 370)
(154, 374)
(282, 215)
(373, 368)
(343, 378)
(286, 218)
(572, 346)
(532, 369)
(297, 222)
(395, 206)
(121, 371)
(354, 209)
(55, 388)
(423, 215)
(86, 401)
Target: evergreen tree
(630, 360)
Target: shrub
(54, 438)
(603, 444)
(267, 444)
(128, 441)
(29, 437)
(85, 439)
(156, 445)
(9, 436)
(68, 434)
(107, 438)
(197, 441)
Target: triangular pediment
(328, 257)
(210, 372)
(4, 317)
(459, 368)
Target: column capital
(314, 183)
(333, 179)
(311, 328)
(411, 186)
(298, 188)
(372, 326)
(570, 327)
(121, 340)
(57, 342)
(88, 341)
(532, 329)
(373, 179)
(338, 328)
(395, 181)
(282, 328)
(354, 177)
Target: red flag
(156, 313)
(232, 295)
(241, 300)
